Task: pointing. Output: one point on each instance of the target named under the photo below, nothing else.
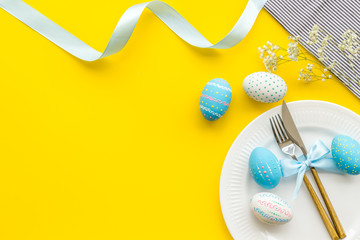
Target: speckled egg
(215, 99)
(264, 168)
(270, 208)
(346, 154)
(265, 87)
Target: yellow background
(118, 149)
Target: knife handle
(320, 208)
(329, 206)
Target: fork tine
(272, 127)
(281, 126)
(276, 124)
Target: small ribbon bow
(316, 158)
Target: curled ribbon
(316, 158)
(126, 26)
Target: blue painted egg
(264, 168)
(346, 154)
(215, 99)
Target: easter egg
(265, 87)
(215, 99)
(264, 168)
(346, 154)
(270, 208)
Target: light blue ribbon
(126, 25)
(316, 158)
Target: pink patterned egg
(270, 208)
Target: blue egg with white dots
(346, 154)
(215, 99)
(264, 168)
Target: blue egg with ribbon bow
(264, 168)
(346, 154)
(215, 99)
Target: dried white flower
(306, 74)
(351, 44)
(273, 55)
(293, 51)
(270, 62)
(313, 35)
(332, 65)
(296, 38)
(269, 57)
(309, 66)
(325, 41)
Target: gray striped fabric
(335, 16)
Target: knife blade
(291, 128)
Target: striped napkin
(335, 16)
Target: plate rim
(226, 161)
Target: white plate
(315, 119)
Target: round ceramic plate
(315, 120)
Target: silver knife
(291, 128)
(294, 135)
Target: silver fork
(288, 147)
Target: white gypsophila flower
(321, 49)
(309, 67)
(293, 51)
(274, 56)
(320, 52)
(270, 62)
(313, 35)
(296, 38)
(350, 43)
(332, 65)
(306, 74)
(261, 51)
(267, 53)
(325, 41)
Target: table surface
(118, 149)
